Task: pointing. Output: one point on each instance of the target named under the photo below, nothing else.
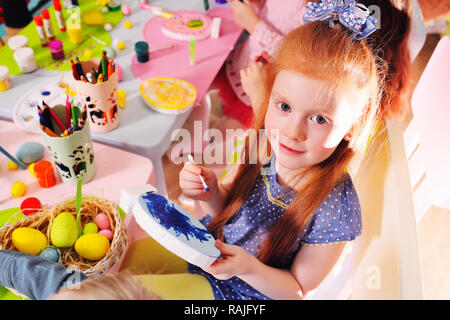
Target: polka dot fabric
(338, 218)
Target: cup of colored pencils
(96, 86)
(66, 133)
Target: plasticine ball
(90, 228)
(107, 233)
(64, 230)
(126, 10)
(121, 45)
(127, 24)
(12, 165)
(88, 53)
(29, 152)
(30, 205)
(31, 169)
(51, 254)
(102, 221)
(29, 240)
(108, 26)
(18, 189)
(92, 246)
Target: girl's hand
(235, 261)
(192, 186)
(244, 14)
(253, 80)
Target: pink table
(115, 169)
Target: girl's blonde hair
(345, 66)
(119, 286)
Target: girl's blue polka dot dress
(338, 218)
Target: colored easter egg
(29, 240)
(31, 169)
(51, 254)
(102, 221)
(64, 230)
(90, 228)
(12, 165)
(92, 246)
(18, 189)
(107, 233)
(30, 205)
(29, 152)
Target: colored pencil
(74, 70)
(48, 131)
(100, 78)
(68, 111)
(6, 153)
(74, 117)
(48, 118)
(55, 117)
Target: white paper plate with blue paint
(176, 229)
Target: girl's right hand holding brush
(191, 184)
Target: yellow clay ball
(121, 45)
(31, 169)
(12, 165)
(18, 189)
(128, 24)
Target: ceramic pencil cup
(101, 100)
(73, 154)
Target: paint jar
(56, 48)
(44, 173)
(74, 33)
(25, 59)
(142, 53)
(73, 24)
(5, 80)
(17, 42)
(101, 99)
(73, 155)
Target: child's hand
(253, 82)
(235, 261)
(191, 184)
(244, 14)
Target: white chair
(427, 137)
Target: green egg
(90, 228)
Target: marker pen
(47, 24)
(59, 15)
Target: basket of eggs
(92, 238)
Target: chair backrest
(427, 137)
(384, 262)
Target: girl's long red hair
(344, 65)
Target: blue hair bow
(352, 15)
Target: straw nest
(90, 207)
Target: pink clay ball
(102, 221)
(126, 10)
(107, 233)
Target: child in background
(267, 21)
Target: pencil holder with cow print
(98, 91)
(71, 149)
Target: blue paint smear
(170, 218)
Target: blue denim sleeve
(33, 276)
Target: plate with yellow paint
(168, 95)
(53, 92)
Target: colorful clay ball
(92, 246)
(12, 166)
(90, 228)
(31, 169)
(64, 230)
(128, 24)
(29, 152)
(51, 254)
(29, 240)
(18, 189)
(30, 205)
(126, 10)
(102, 221)
(107, 233)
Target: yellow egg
(128, 24)
(121, 45)
(31, 168)
(29, 240)
(92, 246)
(18, 189)
(12, 165)
(64, 230)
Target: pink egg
(107, 233)
(102, 221)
